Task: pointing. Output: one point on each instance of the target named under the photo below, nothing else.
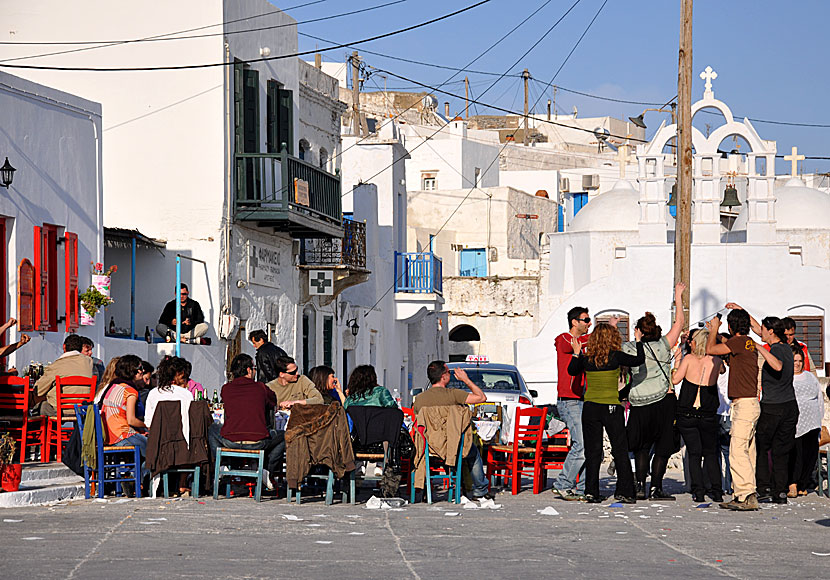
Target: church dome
(615, 210)
(797, 207)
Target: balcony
(280, 191)
(346, 256)
(419, 285)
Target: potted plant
(97, 296)
(10, 472)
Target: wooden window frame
(624, 323)
(46, 278)
(818, 356)
(70, 273)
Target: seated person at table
(118, 409)
(10, 348)
(97, 363)
(247, 404)
(193, 320)
(438, 395)
(70, 364)
(291, 387)
(327, 384)
(364, 391)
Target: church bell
(730, 197)
(673, 199)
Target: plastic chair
(14, 416)
(453, 478)
(57, 432)
(249, 454)
(523, 457)
(103, 473)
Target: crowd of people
(702, 389)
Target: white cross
(622, 157)
(794, 159)
(708, 75)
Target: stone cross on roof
(794, 158)
(708, 75)
(622, 157)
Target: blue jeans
(570, 411)
(140, 442)
(476, 466)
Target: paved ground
(238, 538)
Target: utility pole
(466, 98)
(355, 94)
(554, 101)
(683, 224)
(526, 77)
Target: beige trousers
(745, 413)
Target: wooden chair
(59, 428)
(523, 456)
(15, 420)
(554, 452)
(114, 464)
(436, 469)
(255, 473)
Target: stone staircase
(44, 483)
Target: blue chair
(114, 464)
(454, 476)
(249, 454)
(197, 474)
(329, 489)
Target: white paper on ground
(488, 504)
(451, 514)
(323, 542)
(291, 517)
(156, 519)
(548, 511)
(313, 526)
(373, 503)
(820, 554)
(470, 506)
(33, 538)
(12, 521)
(356, 533)
(122, 500)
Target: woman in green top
(363, 389)
(601, 365)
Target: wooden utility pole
(355, 94)
(526, 77)
(683, 223)
(466, 98)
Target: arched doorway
(464, 340)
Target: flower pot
(86, 319)
(10, 476)
(102, 283)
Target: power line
(262, 59)
(207, 35)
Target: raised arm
(7, 325)
(679, 316)
(713, 347)
(476, 395)
(10, 348)
(680, 373)
(756, 328)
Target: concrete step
(43, 472)
(42, 483)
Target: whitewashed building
(771, 253)
(51, 214)
(227, 166)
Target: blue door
(473, 263)
(580, 199)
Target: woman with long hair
(601, 364)
(106, 378)
(364, 390)
(810, 401)
(327, 383)
(697, 415)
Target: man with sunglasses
(193, 319)
(291, 387)
(570, 390)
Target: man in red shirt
(789, 332)
(569, 404)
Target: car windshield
(492, 380)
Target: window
(488, 380)
(324, 159)
(473, 263)
(810, 331)
(304, 150)
(71, 280)
(622, 325)
(46, 277)
(429, 181)
(25, 296)
(280, 118)
(580, 200)
(328, 336)
(477, 178)
(246, 130)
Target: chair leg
(137, 471)
(411, 487)
(216, 474)
(353, 487)
(429, 479)
(197, 477)
(164, 484)
(259, 475)
(330, 488)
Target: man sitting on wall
(267, 354)
(70, 364)
(193, 320)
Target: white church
(769, 250)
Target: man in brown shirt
(70, 364)
(746, 409)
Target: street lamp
(638, 120)
(352, 323)
(7, 174)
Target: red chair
(406, 462)
(554, 452)
(59, 428)
(14, 416)
(522, 457)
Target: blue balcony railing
(418, 273)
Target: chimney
(548, 109)
(447, 109)
(318, 62)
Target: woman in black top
(697, 419)
(602, 408)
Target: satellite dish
(429, 103)
(602, 134)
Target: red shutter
(71, 281)
(41, 241)
(26, 296)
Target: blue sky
(768, 59)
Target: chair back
(529, 434)
(84, 392)
(16, 397)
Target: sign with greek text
(263, 264)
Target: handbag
(824, 439)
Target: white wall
(53, 139)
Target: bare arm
(756, 328)
(679, 316)
(132, 420)
(10, 348)
(7, 325)
(712, 345)
(769, 358)
(680, 373)
(477, 395)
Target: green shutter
(285, 120)
(328, 336)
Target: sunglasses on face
(585, 320)
(294, 372)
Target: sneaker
(625, 499)
(657, 494)
(487, 495)
(568, 494)
(266, 479)
(594, 498)
(750, 504)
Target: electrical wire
(262, 59)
